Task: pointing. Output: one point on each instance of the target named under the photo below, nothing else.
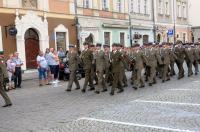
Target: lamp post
(77, 25)
(130, 24)
(174, 15)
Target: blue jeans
(42, 73)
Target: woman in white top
(11, 70)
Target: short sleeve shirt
(42, 61)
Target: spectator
(57, 66)
(42, 69)
(51, 58)
(18, 72)
(61, 53)
(11, 70)
(47, 56)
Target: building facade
(40, 24)
(104, 21)
(170, 13)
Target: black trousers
(18, 76)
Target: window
(145, 39)
(119, 6)
(105, 5)
(107, 38)
(132, 6)
(184, 10)
(160, 4)
(179, 10)
(61, 40)
(86, 4)
(166, 8)
(30, 4)
(184, 37)
(139, 2)
(122, 38)
(145, 6)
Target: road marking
(134, 124)
(166, 102)
(184, 89)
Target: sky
(194, 12)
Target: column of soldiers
(147, 64)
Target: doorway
(31, 48)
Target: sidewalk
(29, 75)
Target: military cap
(114, 45)
(1, 52)
(71, 46)
(86, 43)
(136, 45)
(91, 45)
(196, 43)
(98, 44)
(106, 45)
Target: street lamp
(174, 15)
(130, 24)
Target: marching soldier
(197, 58)
(73, 66)
(87, 59)
(3, 76)
(139, 60)
(108, 70)
(179, 52)
(117, 66)
(151, 57)
(189, 58)
(165, 57)
(173, 58)
(100, 69)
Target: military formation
(148, 63)
(106, 68)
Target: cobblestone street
(170, 106)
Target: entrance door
(31, 48)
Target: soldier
(173, 58)
(73, 66)
(197, 58)
(179, 52)
(87, 59)
(100, 69)
(152, 64)
(166, 62)
(94, 75)
(189, 58)
(139, 60)
(117, 66)
(108, 71)
(3, 77)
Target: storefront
(35, 32)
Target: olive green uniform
(73, 66)
(3, 75)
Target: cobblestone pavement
(170, 106)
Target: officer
(3, 77)
(73, 66)
(100, 68)
(87, 59)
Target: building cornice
(38, 12)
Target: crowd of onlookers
(47, 65)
